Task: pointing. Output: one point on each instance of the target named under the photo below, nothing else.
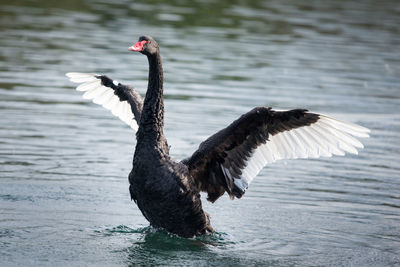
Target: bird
(167, 191)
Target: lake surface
(64, 161)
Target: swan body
(167, 191)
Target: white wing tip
(102, 95)
(80, 77)
(351, 128)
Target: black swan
(167, 191)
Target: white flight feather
(324, 138)
(104, 96)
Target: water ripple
(64, 161)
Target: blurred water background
(64, 161)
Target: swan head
(145, 45)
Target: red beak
(137, 47)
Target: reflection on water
(64, 161)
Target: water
(64, 161)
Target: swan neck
(152, 119)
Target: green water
(64, 161)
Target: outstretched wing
(231, 158)
(123, 101)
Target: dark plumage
(168, 192)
